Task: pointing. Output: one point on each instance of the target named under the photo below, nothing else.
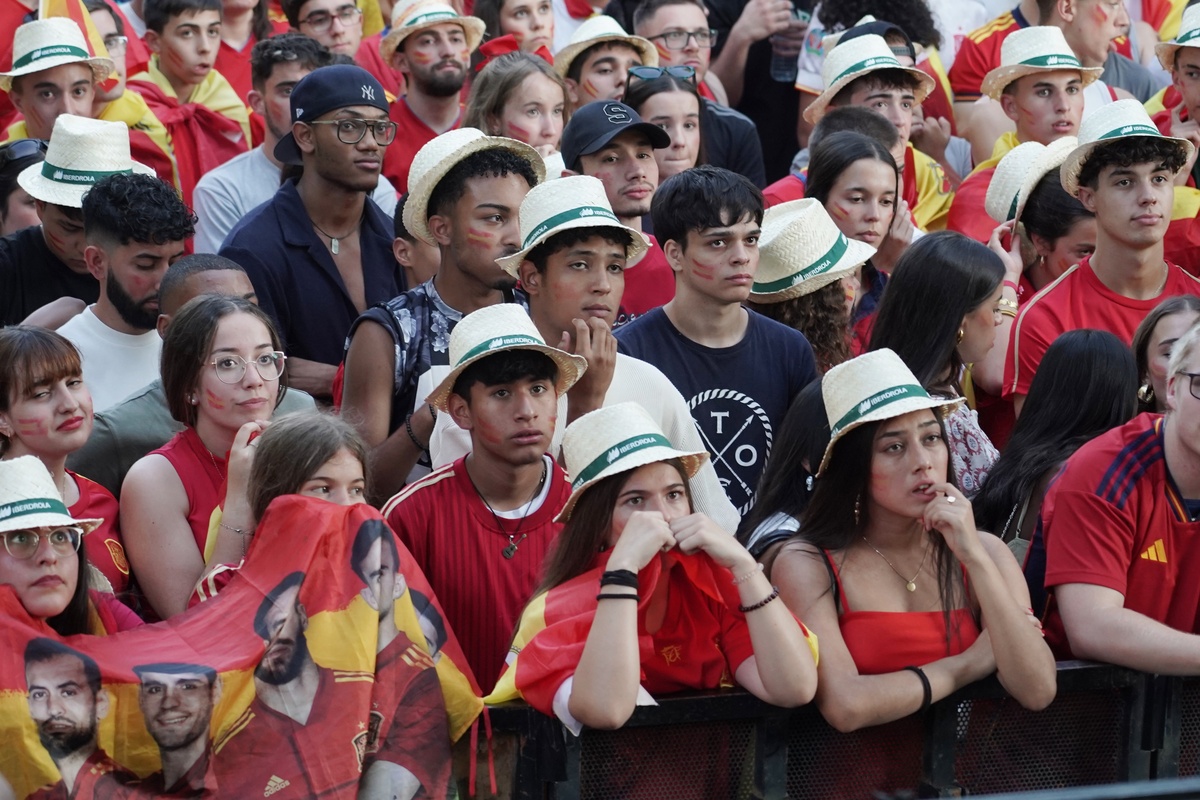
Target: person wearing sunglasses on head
(18, 209)
(320, 252)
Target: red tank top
(888, 641)
(203, 478)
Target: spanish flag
(74, 10)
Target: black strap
(833, 581)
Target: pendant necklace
(513, 542)
(333, 240)
(909, 583)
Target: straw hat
(439, 155)
(1041, 48)
(419, 16)
(497, 329)
(853, 59)
(577, 201)
(82, 152)
(1188, 36)
(597, 29)
(873, 387)
(802, 250)
(52, 42)
(1119, 120)
(612, 440)
(29, 499)
(1019, 172)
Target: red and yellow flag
(75, 11)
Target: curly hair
(911, 16)
(1130, 150)
(496, 162)
(823, 319)
(136, 208)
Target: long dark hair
(74, 618)
(1085, 385)
(834, 154)
(823, 319)
(639, 91)
(1145, 331)
(939, 280)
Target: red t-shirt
(1114, 518)
(99, 776)
(649, 284)
(458, 544)
(104, 548)
(1076, 300)
(203, 477)
(789, 187)
(980, 54)
(368, 58)
(411, 135)
(968, 213)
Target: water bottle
(784, 67)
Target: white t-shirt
(226, 194)
(115, 364)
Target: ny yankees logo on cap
(368, 92)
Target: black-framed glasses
(651, 73)
(115, 42)
(24, 544)
(352, 131)
(678, 40)
(231, 368)
(21, 148)
(321, 21)
(1192, 376)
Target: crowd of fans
(857, 343)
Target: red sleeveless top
(203, 477)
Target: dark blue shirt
(296, 280)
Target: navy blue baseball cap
(327, 89)
(598, 123)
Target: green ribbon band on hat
(78, 176)
(1060, 60)
(50, 51)
(823, 264)
(893, 394)
(500, 342)
(36, 505)
(568, 216)
(429, 16)
(1194, 33)
(1012, 210)
(885, 62)
(619, 450)
(1136, 129)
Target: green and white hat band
(824, 264)
(78, 177)
(873, 63)
(35, 505)
(1053, 60)
(51, 51)
(429, 16)
(501, 343)
(878, 401)
(1136, 129)
(570, 215)
(618, 451)
(1188, 36)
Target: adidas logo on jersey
(1156, 552)
(276, 784)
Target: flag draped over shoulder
(314, 687)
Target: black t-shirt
(730, 141)
(31, 276)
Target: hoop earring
(958, 339)
(1145, 393)
(857, 510)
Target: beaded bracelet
(747, 609)
(619, 577)
(603, 596)
(927, 699)
(743, 578)
(416, 443)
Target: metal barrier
(1107, 725)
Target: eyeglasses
(1191, 376)
(21, 148)
(678, 40)
(24, 544)
(651, 73)
(352, 131)
(232, 368)
(116, 42)
(321, 21)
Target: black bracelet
(925, 687)
(603, 596)
(619, 577)
(747, 609)
(424, 448)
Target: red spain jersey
(99, 777)
(104, 548)
(411, 135)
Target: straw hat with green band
(1037, 49)
(1120, 120)
(1019, 173)
(82, 152)
(873, 387)
(596, 30)
(1189, 36)
(801, 250)
(498, 329)
(612, 440)
(851, 60)
(577, 201)
(29, 499)
(420, 16)
(52, 42)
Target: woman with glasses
(17, 209)
(42, 560)
(223, 375)
(46, 412)
(668, 97)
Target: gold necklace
(911, 583)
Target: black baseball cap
(598, 123)
(327, 89)
(881, 28)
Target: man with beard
(231, 191)
(431, 47)
(407, 742)
(320, 252)
(288, 743)
(66, 703)
(177, 703)
(467, 190)
(135, 226)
